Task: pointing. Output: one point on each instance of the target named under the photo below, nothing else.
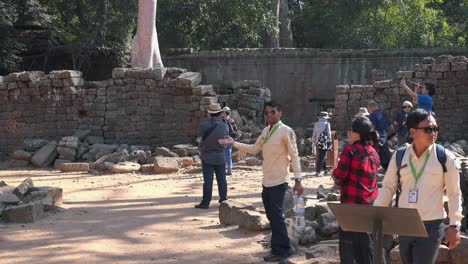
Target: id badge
(413, 196)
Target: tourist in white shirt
(422, 187)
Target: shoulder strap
(441, 156)
(209, 131)
(398, 158)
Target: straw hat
(214, 108)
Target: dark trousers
(273, 198)
(355, 247)
(417, 250)
(208, 171)
(321, 160)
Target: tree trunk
(145, 51)
(285, 33)
(272, 39)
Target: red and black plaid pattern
(356, 174)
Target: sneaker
(273, 257)
(228, 173)
(221, 200)
(202, 206)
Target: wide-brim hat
(407, 103)
(363, 112)
(324, 115)
(214, 108)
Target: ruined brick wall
(160, 107)
(450, 76)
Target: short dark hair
(417, 116)
(430, 88)
(273, 104)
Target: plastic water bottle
(300, 209)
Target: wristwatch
(297, 179)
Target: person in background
(380, 121)
(277, 142)
(321, 138)
(356, 176)
(212, 155)
(423, 100)
(362, 113)
(233, 132)
(400, 122)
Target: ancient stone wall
(160, 107)
(449, 74)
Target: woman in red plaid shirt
(356, 175)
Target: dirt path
(134, 218)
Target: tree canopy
(107, 26)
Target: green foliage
(379, 23)
(213, 24)
(9, 46)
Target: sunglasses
(406, 107)
(272, 112)
(428, 130)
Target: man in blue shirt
(212, 155)
(400, 122)
(423, 100)
(380, 121)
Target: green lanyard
(271, 132)
(413, 170)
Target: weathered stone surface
(252, 220)
(327, 224)
(69, 142)
(67, 153)
(459, 255)
(18, 163)
(22, 155)
(45, 155)
(97, 151)
(164, 152)
(185, 162)
(325, 251)
(48, 196)
(155, 73)
(165, 165)
(23, 187)
(74, 167)
(189, 80)
(322, 208)
(253, 162)
(81, 134)
(203, 90)
(82, 149)
(34, 144)
(310, 213)
(24, 213)
(8, 198)
(60, 161)
(91, 140)
(229, 211)
(122, 167)
(147, 168)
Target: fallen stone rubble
(27, 203)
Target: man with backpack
(212, 155)
(418, 174)
(233, 132)
(381, 124)
(321, 138)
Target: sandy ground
(135, 218)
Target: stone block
(342, 89)
(60, 161)
(440, 67)
(155, 74)
(8, 198)
(67, 74)
(434, 75)
(122, 167)
(253, 220)
(341, 97)
(45, 155)
(420, 74)
(118, 73)
(24, 213)
(185, 162)
(207, 100)
(132, 73)
(164, 152)
(382, 84)
(459, 255)
(29, 76)
(22, 189)
(229, 211)
(422, 68)
(147, 168)
(73, 82)
(404, 74)
(22, 155)
(67, 153)
(91, 140)
(165, 165)
(69, 142)
(97, 151)
(459, 66)
(329, 251)
(203, 90)
(253, 162)
(18, 163)
(34, 144)
(188, 80)
(74, 167)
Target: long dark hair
(365, 129)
